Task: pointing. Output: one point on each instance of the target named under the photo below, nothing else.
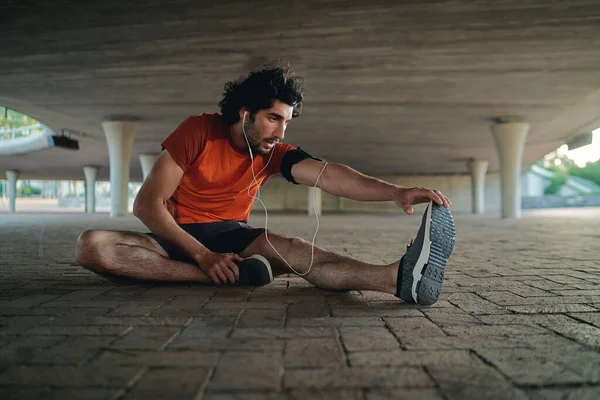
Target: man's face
(267, 127)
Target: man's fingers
(220, 274)
(443, 199)
(432, 195)
(229, 273)
(234, 268)
(214, 276)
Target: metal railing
(22, 131)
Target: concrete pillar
(12, 177)
(91, 173)
(314, 200)
(147, 161)
(478, 170)
(119, 136)
(510, 141)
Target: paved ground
(518, 319)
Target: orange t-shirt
(216, 176)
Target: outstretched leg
(132, 255)
(329, 270)
(416, 278)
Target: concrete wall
(280, 195)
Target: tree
(590, 171)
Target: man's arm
(343, 181)
(150, 207)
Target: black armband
(289, 159)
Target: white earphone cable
(312, 257)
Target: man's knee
(296, 243)
(88, 248)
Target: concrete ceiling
(392, 87)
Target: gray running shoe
(421, 269)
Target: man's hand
(406, 197)
(220, 267)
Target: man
(197, 199)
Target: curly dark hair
(260, 89)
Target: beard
(254, 138)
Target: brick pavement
(518, 319)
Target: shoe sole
(266, 262)
(253, 281)
(438, 243)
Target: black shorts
(218, 237)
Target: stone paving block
(308, 310)
(445, 317)
(247, 371)
(528, 367)
(178, 383)
(18, 324)
(59, 376)
(585, 363)
(565, 279)
(283, 333)
(82, 295)
(551, 308)
(31, 300)
(261, 318)
(404, 394)
(334, 321)
(200, 323)
(140, 321)
(511, 319)
(325, 352)
(526, 290)
(342, 311)
(135, 309)
(413, 358)
(414, 327)
(288, 395)
(109, 304)
(493, 330)
(246, 305)
(58, 394)
(150, 338)
(78, 330)
(584, 333)
(182, 312)
(458, 342)
(544, 284)
(591, 292)
(473, 304)
(199, 343)
(231, 294)
(321, 378)
(473, 382)
(158, 358)
(589, 317)
(585, 393)
(358, 339)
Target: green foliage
(10, 119)
(27, 191)
(591, 171)
(556, 182)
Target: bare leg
(329, 270)
(132, 255)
